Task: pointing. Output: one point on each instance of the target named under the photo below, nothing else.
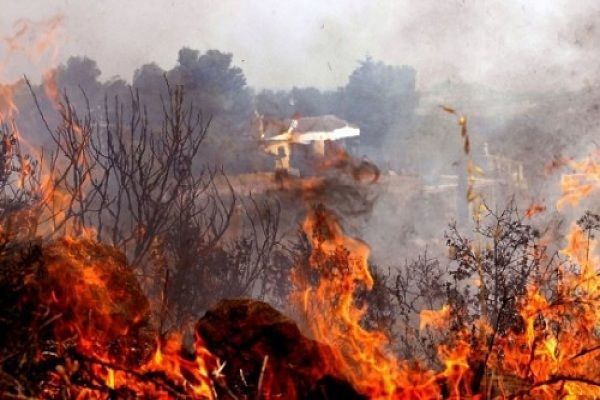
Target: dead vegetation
(114, 243)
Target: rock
(247, 334)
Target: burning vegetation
(116, 245)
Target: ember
(80, 319)
(78, 324)
(132, 267)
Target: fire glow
(546, 362)
(108, 345)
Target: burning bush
(113, 244)
(75, 323)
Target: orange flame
(359, 355)
(556, 354)
(579, 184)
(38, 42)
(534, 209)
(437, 319)
(100, 313)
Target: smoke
(521, 45)
(525, 73)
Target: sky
(530, 45)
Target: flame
(110, 379)
(556, 354)
(110, 327)
(579, 184)
(50, 85)
(534, 209)
(8, 108)
(437, 319)
(39, 43)
(100, 317)
(335, 320)
(563, 362)
(361, 356)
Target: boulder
(265, 351)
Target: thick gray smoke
(525, 73)
(518, 45)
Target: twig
(262, 375)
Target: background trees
(378, 98)
(217, 87)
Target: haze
(518, 45)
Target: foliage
(378, 98)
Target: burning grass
(85, 315)
(526, 332)
(77, 325)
